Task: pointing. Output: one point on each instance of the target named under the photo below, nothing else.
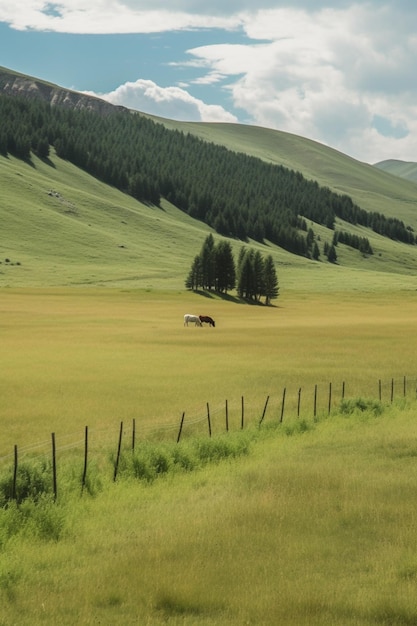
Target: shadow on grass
(226, 297)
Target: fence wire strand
(298, 402)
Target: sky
(342, 73)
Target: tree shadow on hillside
(227, 297)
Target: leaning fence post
(14, 494)
(180, 430)
(283, 404)
(116, 465)
(264, 411)
(55, 486)
(85, 459)
(208, 419)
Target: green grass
(309, 529)
(306, 522)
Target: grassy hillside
(403, 169)
(61, 227)
(371, 188)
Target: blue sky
(341, 73)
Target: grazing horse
(192, 318)
(207, 320)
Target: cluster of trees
(354, 241)
(214, 268)
(237, 195)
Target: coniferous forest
(237, 195)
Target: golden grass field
(76, 358)
(310, 529)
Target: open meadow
(76, 358)
(306, 522)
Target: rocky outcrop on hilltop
(15, 84)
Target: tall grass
(308, 527)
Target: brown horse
(205, 319)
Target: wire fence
(210, 420)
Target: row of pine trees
(239, 196)
(214, 268)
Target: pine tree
(331, 254)
(245, 274)
(271, 288)
(258, 275)
(194, 279)
(208, 262)
(225, 269)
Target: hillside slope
(371, 188)
(403, 169)
(61, 226)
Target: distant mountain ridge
(403, 169)
(13, 83)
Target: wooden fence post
(116, 465)
(14, 494)
(380, 390)
(180, 430)
(330, 398)
(392, 390)
(315, 400)
(404, 386)
(243, 414)
(343, 390)
(283, 404)
(55, 485)
(264, 411)
(208, 419)
(299, 402)
(85, 459)
(227, 417)
(133, 434)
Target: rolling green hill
(371, 188)
(60, 226)
(403, 169)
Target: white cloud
(329, 78)
(168, 102)
(337, 71)
(108, 16)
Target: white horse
(192, 318)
